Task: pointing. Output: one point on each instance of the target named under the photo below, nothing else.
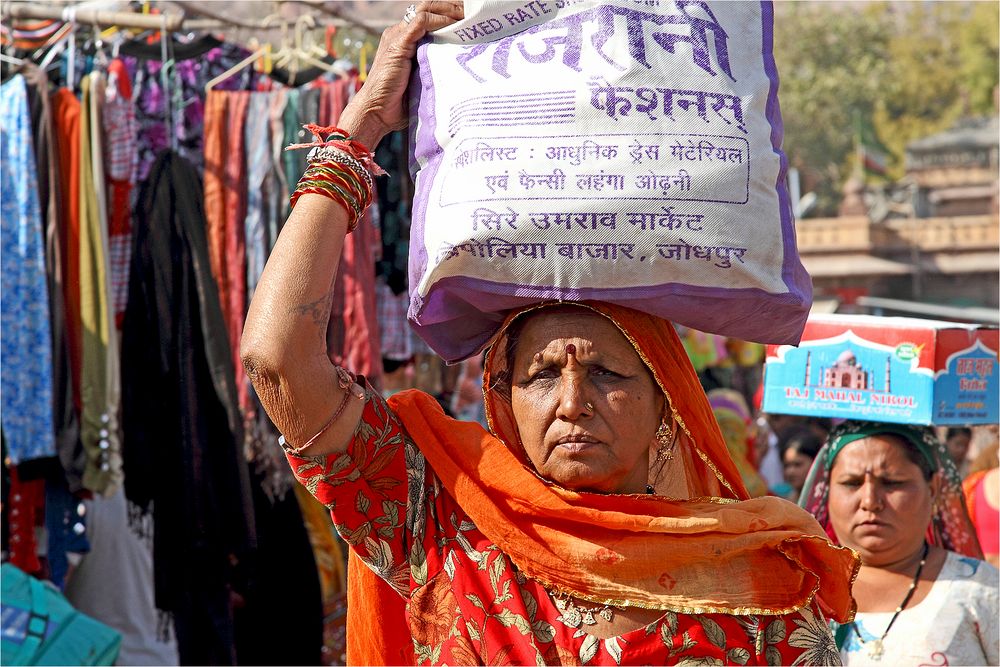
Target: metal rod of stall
(171, 22)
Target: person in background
(818, 426)
(957, 441)
(771, 428)
(797, 458)
(467, 400)
(982, 498)
(733, 415)
(891, 492)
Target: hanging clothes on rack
(129, 277)
(192, 69)
(225, 212)
(26, 347)
(65, 526)
(293, 162)
(258, 145)
(121, 135)
(49, 155)
(66, 114)
(100, 381)
(276, 183)
(232, 278)
(183, 441)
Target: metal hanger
(69, 16)
(264, 50)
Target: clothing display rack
(148, 151)
(176, 21)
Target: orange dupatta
(697, 547)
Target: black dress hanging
(182, 432)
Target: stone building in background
(956, 171)
(928, 246)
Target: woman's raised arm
(284, 339)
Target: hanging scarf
(950, 527)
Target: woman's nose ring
(589, 406)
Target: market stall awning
(966, 262)
(851, 265)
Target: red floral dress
(467, 602)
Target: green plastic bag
(39, 627)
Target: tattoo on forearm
(319, 312)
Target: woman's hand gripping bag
(619, 150)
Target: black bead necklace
(875, 647)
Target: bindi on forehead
(586, 337)
(562, 351)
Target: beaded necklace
(875, 647)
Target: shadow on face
(586, 406)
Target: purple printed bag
(623, 150)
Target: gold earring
(664, 436)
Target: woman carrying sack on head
(600, 519)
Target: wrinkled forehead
(537, 327)
(556, 326)
(875, 452)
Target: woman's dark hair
(958, 430)
(805, 442)
(824, 424)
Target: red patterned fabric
(121, 164)
(233, 291)
(466, 602)
(26, 509)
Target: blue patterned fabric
(25, 346)
(257, 136)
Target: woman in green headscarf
(892, 493)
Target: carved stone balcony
(858, 234)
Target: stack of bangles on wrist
(339, 168)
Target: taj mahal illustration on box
(846, 373)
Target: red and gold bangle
(335, 192)
(338, 182)
(340, 169)
(347, 177)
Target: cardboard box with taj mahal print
(890, 369)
